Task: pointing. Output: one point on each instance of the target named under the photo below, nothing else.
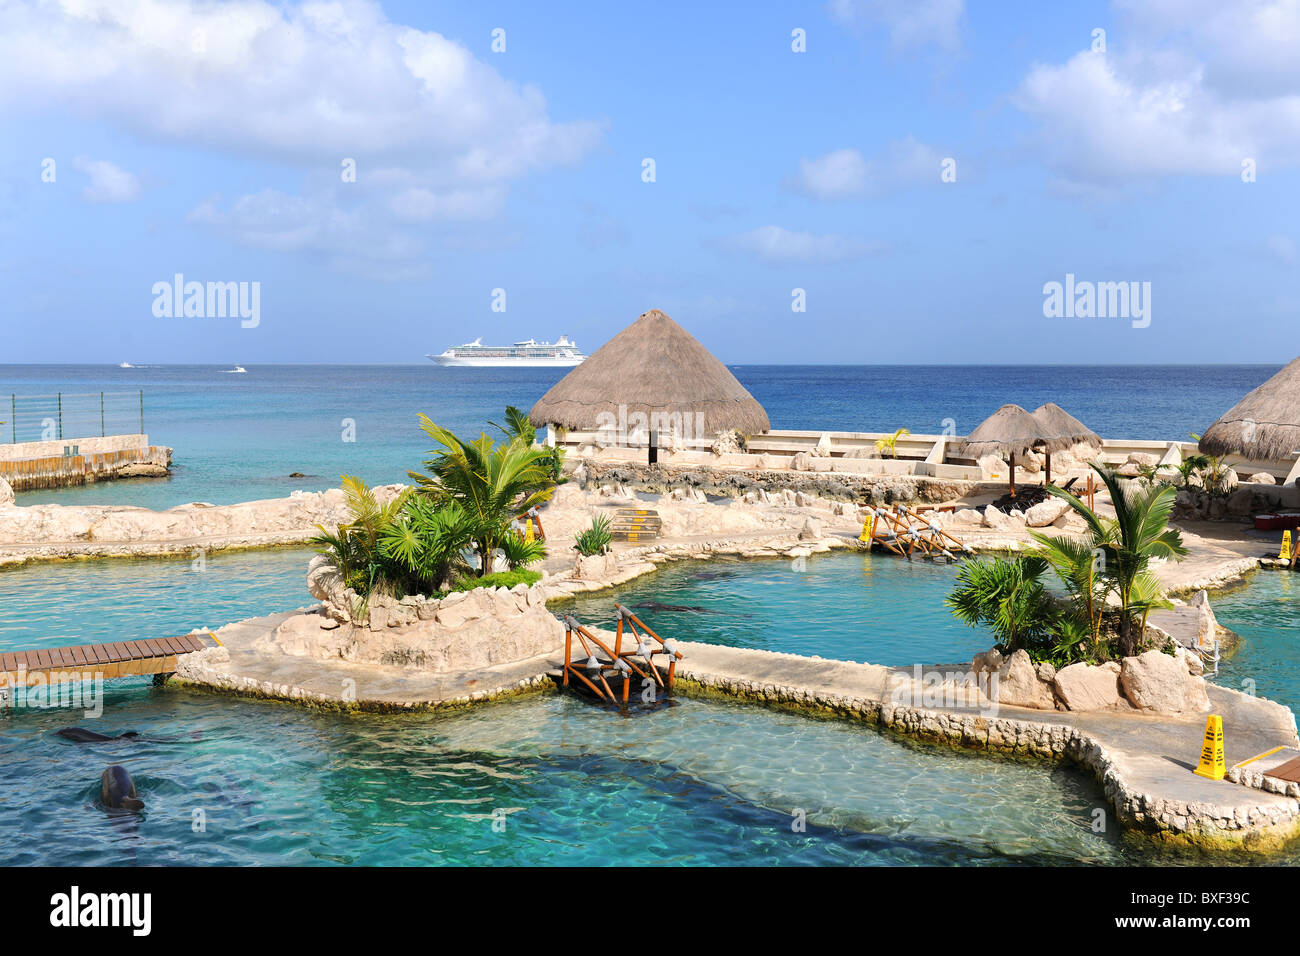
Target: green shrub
(519, 551)
(594, 540)
(501, 579)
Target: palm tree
(1075, 562)
(355, 547)
(1007, 595)
(1190, 465)
(518, 427)
(427, 541)
(1139, 532)
(493, 483)
(890, 444)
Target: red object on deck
(1277, 522)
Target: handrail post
(142, 411)
(60, 398)
(13, 416)
(568, 648)
(101, 414)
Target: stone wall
(466, 630)
(733, 483)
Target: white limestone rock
(1159, 682)
(811, 530)
(6, 494)
(1019, 684)
(1030, 462)
(322, 577)
(992, 468)
(1085, 687)
(995, 519)
(1259, 478)
(1045, 512)
(1207, 625)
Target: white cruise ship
(531, 352)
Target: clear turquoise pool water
(848, 606)
(88, 602)
(1266, 614)
(564, 783)
(695, 783)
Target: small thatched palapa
(1056, 421)
(1010, 431)
(1263, 426)
(655, 368)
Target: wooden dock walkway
(106, 661)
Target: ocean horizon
(239, 437)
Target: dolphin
(117, 789)
(677, 608)
(83, 736)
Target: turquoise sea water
(239, 437)
(693, 783)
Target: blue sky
(207, 139)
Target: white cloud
(300, 82)
(774, 244)
(1173, 99)
(320, 224)
(847, 174)
(421, 204)
(911, 23)
(840, 174)
(1250, 47)
(436, 133)
(108, 183)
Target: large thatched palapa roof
(1010, 431)
(1056, 421)
(1263, 426)
(653, 367)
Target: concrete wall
(57, 464)
(27, 450)
(930, 455)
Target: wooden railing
(595, 673)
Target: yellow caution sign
(1212, 763)
(1285, 553)
(866, 528)
(528, 530)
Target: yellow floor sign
(1212, 763)
(866, 529)
(1285, 553)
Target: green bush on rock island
(1108, 586)
(445, 533)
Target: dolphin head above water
(117, 789)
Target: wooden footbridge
(608, 672)
(906, 532)
(43, 666)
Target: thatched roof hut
(653, 368)
(1010, 431)
(1263, 426)
(1056, 421)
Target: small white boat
(237, 370)
(126, 365)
